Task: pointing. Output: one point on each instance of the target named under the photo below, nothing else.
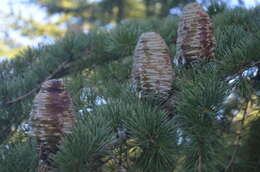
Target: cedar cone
(50, 118)
(195, 40)
(152, 69)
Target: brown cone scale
(152, 69)
(195, 40)
(50, 118)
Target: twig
(238, 138)
(240, 72)
(60, 71)
(21, 97)
(200, 163)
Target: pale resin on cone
(195, 39)
(51, 118)
(152, 68)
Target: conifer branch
(59, 72)
(242, 69)
(22, 97)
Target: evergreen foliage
(155, 135)
(251, 149)
(93, 136)
(198, 118)
(117, 130)
(19, 157)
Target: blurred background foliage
(28, 22)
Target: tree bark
(149, 11)
(121, 10)
(164, 11)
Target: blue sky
(29, 10)
(26, 10)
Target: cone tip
(53, 84)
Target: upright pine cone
(195, 36)
(152, 69)
(50, 119)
